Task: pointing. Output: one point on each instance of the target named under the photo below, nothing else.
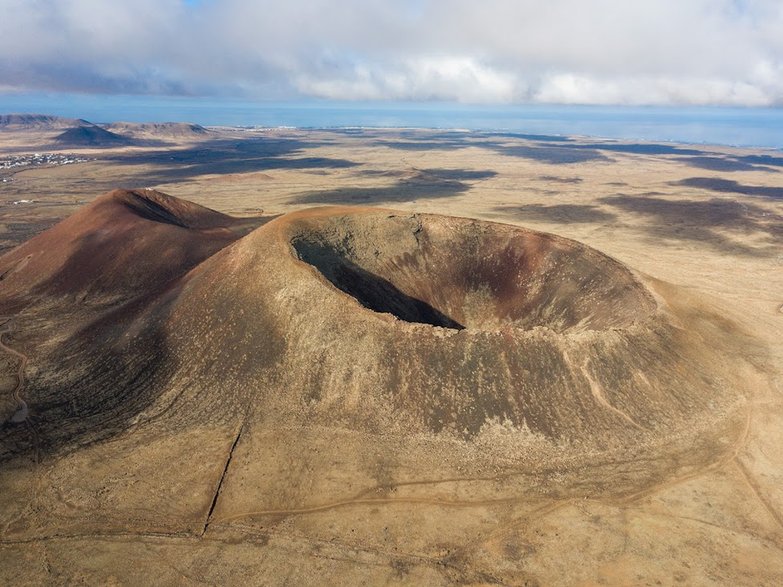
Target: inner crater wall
(463, 273)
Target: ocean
(749, 127)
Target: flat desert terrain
(207, 377)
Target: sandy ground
(707, 219)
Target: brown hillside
(342, 356)
(124, 244)
(39, 122)
(424, 324)
(90, 136)
(170, 130)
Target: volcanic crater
(460, 273)
(348, 343)
(457, 325)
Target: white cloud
(641, 90)
(495, 51)
(461, 79)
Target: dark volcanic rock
(91, 136)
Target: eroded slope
(343, 356)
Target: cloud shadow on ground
(222, 157)
(555, 155)
(428, 144)
(422, 184)
(724, 164)
(560, 213)
(556, 179)
(530, 137)
(720, 185)
(762, 160)
(705, 222)
(639, 148)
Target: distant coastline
(740, 127)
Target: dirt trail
(22, 411)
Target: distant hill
(77, 132)
(152, 236)
(174, 130)
(39, 122)
(90, 135)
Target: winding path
(22, 411)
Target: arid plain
(214, 400)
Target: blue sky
(663, 52)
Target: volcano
(90, 135)
(189, 372)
